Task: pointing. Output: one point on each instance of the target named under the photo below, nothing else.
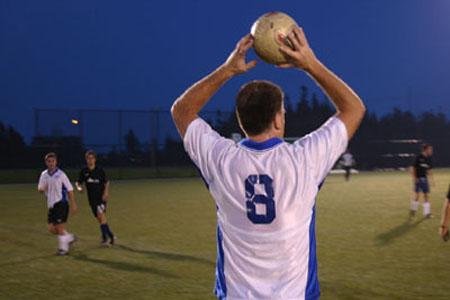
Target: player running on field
(420, 170)
(347, 162)
(97, 190)
(57, 188)
(264, 188)
(446, 218)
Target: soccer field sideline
(367, 246)
(333, 172)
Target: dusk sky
(142, 54)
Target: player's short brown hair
(51, 154)
(425, 146)
(90, 152)
(257, 103)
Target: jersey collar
(51, 174)
(260, 146)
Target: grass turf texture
(368, 248)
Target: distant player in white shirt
(347, 162)
(264, 188)
(57, 188)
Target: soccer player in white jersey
(264, 188)
(57, 188)
(347, 162)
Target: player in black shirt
(421, 169)
(446, 218)
(97, 189)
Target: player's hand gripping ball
(269, 33)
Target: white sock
(68, 235)
(426, 208)
(414, 205)
(63, 244)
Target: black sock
(108, 231)
(104, 232)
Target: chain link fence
(122, 138)
(148, 138)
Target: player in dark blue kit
(421, 169)
(97, 189)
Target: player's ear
(278, 121)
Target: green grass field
(166, 248)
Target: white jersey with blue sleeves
(265, 195)
(56, 186)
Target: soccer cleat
(61, 252)
(72, 242)
(412, 213)
(105, 243)
(446, 237)
(112, 240)
(429, 216)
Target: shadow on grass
(396, 232)
(168, 256)
(123, 266)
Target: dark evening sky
(142, 54)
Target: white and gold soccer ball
(269, 32)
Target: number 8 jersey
(265, 196)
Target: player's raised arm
(350, 109)
(187, 106)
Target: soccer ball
(270, 32)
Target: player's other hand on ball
(236, 63)
(302, 56)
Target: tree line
(388, 141)
(380, 142)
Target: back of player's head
(90, 152)
(257, 103)
(51, 154)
